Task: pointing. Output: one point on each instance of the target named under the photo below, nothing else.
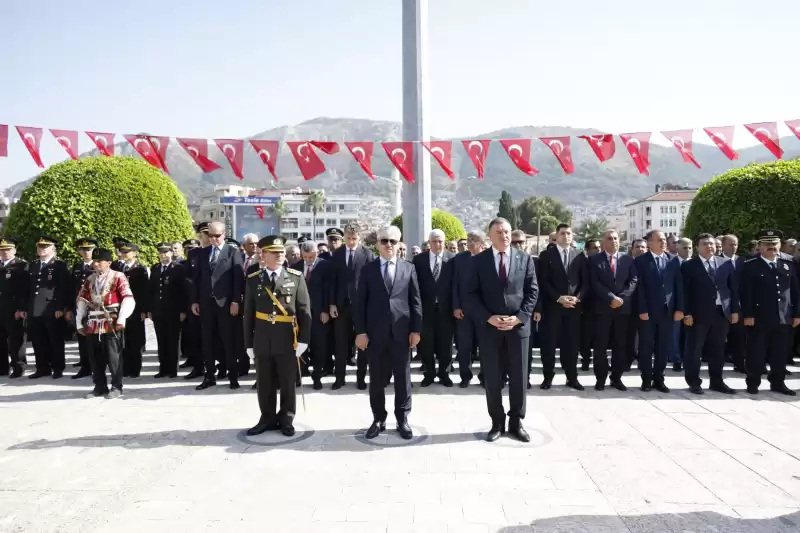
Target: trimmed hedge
(101, 198)
(452, 227)
(745, 200)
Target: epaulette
(293, 271)
(254, 273)
(750, 260)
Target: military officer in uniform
(13, 285)
(770, 305)
(80, 271)
(118, 263)
(277, 330)
(139, 281)
(190, 328)
(168, 305)
(49, 297)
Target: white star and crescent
(146, 151)
(515, 148)
(306, 158)
(402, 153)
(359, 150)
(226, 147)
(264, 155)
(438, 150)
(478, 145)
(557, 146)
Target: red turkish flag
(477, 152)
(401, 154)
(328, 147)
(198, 150)
(260, 211)
(267, 151)
(638, 146)
(69, 140)
(233, 149)
(682, 140)
(308, 161)
(602, 145)
(3, 140)
(144, 146)
(767, 133)
(362, 153)
(561, 149)
(161, 144)
(722, 136)
(442, 152)
(103, 141)
(32, 137)
(794, 125)
(519, 150)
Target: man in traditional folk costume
(104, 304)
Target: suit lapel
(397, 273)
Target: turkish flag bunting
(561, 149)
(477, 152)
(103, 141)
(401, 154)
(233, 149)
(794, 125)
(602, 145)
(3, 140)
(442, 152)
(329, 148)
(160, 144)
(144, 146)
(308, 161)
(722, 136)
(767, 133)
(362, 153)
(260, 211)
(682, 140)
(638, 145)
(198, 149)
(32, 137)
(69, 140)
(267, 151)
(519, 150)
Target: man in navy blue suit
(712, 301)
(660, 304)
(613, 281)
(735, 347)
(388, 320)
(467, 341)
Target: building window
(292, 208)
(648, 224)
(330, 221)
(306, 222)
(647, 211)
(320, 222)
(330, 208)
(320, 236)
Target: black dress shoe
(195, 373)
(207, 382)
(646, 386)
(660, 387)
(160, 375)
(81, 374)
(752, 390)
(600, 385)
(677, 367)
(338, 384)
(782, 389)
(38, 374)
(16, 373)
(574, 384)
(445, 380)
(317, 384)
(234, 385)
(546, 383)
(723, 388)
(262, 427)
(375, 429)
(619, 385)
(495, 432)
(362, 384)
(518, 432)
(427, 381)
(185, 364)
(585, 365)
(405, 430)
(696, 389)
(464, 383)
(222, 374)
(288, 430)
(58, 374)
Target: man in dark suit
(348, 260)
(317, 274)
(167, 308)
(564, 282)
(501, 297)
(590, 248)
(139, 280)
(660, 303)
(466, 333)
(613, 281)
(388, 320)
(13, 292)
(81, 270)
(770, 300)
(712, 301)
(435, 274)
(735, 346)
(192, 331)
(218, 282)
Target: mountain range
(612, 182)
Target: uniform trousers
(274, 372)
(106, 350)
(11, 335)
(610, 329)
(47, 337)
(767, 343)
(389, 355)
(167, 326)
(706, 338)
(134, 344)
(191, 335)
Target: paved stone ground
(166, 458)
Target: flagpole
(416, 196)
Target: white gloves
(250, 353)
(301, 349)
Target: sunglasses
(215, 235)
(385, 242)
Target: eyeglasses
(215, 235)
(385, 242)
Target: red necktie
(613, 265)
(502, 273)
(308, 271)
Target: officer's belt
(284, 317)
(272, 317)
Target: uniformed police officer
(277, 320)
(13, 286)
(190, 329)
(335, 237)
(168, 305)
(770, 299)
(80, 271)
(49, 297)
(118, 264)
(139, 282)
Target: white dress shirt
(561, 254)
(433, 258)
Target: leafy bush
(452, 227)
(746, 200)
(101, 198)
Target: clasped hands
(568, 301)
(504, 323)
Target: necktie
(436, 268)
(309, 266)
(566, 260)
(388, 277)
(502, 271)
(711, 270)
(613, 260)
(247, 263)
(350, 258)
(214, 256)
(774, 266)
(163, 268)
(272, 281)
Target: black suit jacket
(486, 296)
(13, 287)
(222, 286)
(343, 289)
(556, 282)
(605, 285)
(700, 291)
(318, 286)
(462, 265)
(168, 292)
(383, 316)
(433, 290)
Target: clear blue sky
(206, 68)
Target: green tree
(591, 229)
(745, 200)
(552, 213)
(101, 197)
(452, 227)
(315, 202)
(507, 210)
(280, 210)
